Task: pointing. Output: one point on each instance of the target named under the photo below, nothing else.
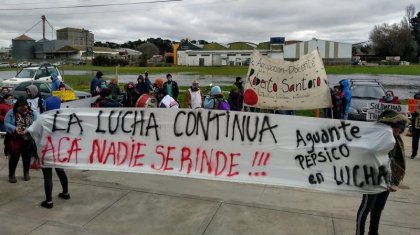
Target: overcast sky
(212, 20)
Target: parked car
(58, 63)
(79, 62)
(44, 87)
(363, 91)
(24, 64)
(4, 65)
(41, 73)
(13, 65)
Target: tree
(415, 31)
(395, 39)
(148, 50)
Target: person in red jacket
(390, 98)
(5, 106)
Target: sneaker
(413, 156)
(47, 205)
(26, 176)
(65, 196)
(12, 179)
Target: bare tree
(410, 12)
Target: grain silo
(23, 48)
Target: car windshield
(26, 73)
(363, 91)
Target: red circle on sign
(250, 97)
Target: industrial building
(239, 53)
(71, 44)
(76, 37)
(216, 54)
(331, 52)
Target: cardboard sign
(375, 108)
(259, 148)
(285, 85)
(65, 95)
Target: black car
(363, 91)
(44, 88)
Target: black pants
(48, 183)
(373, 203)
(14, 160)
(415, 142)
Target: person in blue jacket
(345, 85)
(55, 86)
(18, 141)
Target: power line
(37, 3)
(126, 10)
(89, 6)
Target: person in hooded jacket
(52, 103)
(19, 142)
(142, 87)
(131, 95)
(390, 98)
(94, 83)
(34, 99)
(345, 87)
(375, 203)
(115, 89)
(105, 100)
(55, 86)
(234, 99)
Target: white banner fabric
(285, 85)
(312, 153)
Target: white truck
(39, 73)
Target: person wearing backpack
(215, 100)
(36, 102)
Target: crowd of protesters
(17, 115)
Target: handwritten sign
(375, 108)
(65, 95)
(412, 105)
(280, 84)
(321, 154)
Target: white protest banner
(285, 85)
(375, 108)
(321, 154)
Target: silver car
(363, 91)
(44, 88)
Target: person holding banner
(375, 203)
(415, 129)
(345, 87)
(52, 103)
(19, 142)
(390, 98)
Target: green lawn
(241, 70)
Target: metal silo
(23, 47)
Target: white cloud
(212, 20)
